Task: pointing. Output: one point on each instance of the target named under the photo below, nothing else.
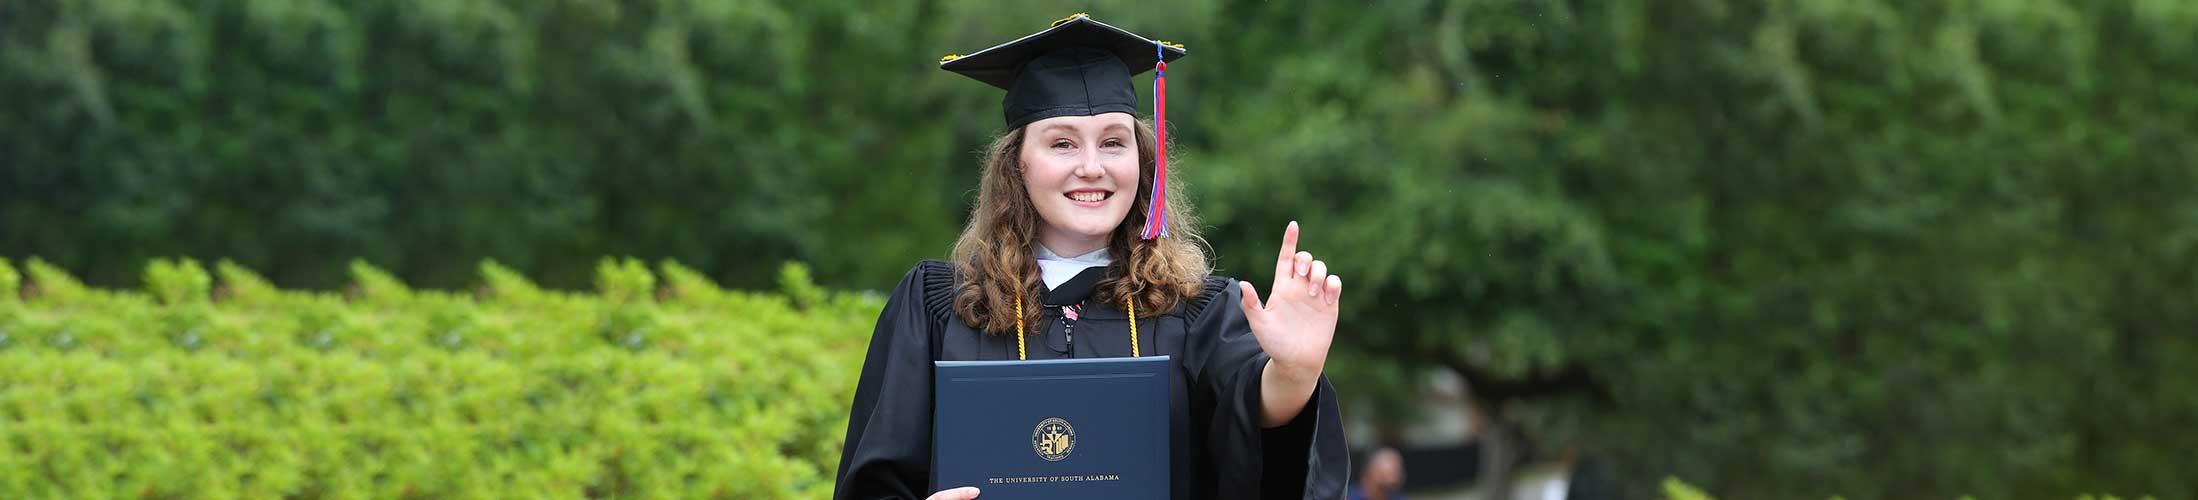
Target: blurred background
(1769, 248)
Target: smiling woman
(1087, 159)
(1027, 197)
(1054, 246)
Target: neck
(1071, 246)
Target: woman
(1053, 265)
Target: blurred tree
(1859, 248)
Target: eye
(1062, 144)
(1113, 143)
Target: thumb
(1250, 302)
(962, 493)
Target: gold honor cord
(1021, 354)
(1132, 306)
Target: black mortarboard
(1077, 67)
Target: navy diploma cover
(1057, 429)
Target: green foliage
(10, 281)
(263, 393)
(373, 284)
(1674, 489)
(424, 137)
(624, 280)
(243, 286)
(1881, 249)
(794, 281)
(176, 282)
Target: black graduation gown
(1218, 447)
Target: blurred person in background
(1382, 477)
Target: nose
(1088, 167)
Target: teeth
(1087, 196)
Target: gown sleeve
(888, 448)
(1305, 458)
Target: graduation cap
(1079, 67)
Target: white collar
(1055, 269)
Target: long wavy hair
(995, 262)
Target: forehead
(1092, 123)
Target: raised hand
(1297, 323)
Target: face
(1384, 472)
(1081, 173)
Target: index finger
(1289, 248)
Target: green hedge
(220, 385)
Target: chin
(1096, 231)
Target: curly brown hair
(994, 261)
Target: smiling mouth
(1090, 196)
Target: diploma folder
(1055, 429)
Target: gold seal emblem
(1053, 439)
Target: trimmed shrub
(229, 387)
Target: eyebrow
(1109, 127)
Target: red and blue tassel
(1156, 212)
